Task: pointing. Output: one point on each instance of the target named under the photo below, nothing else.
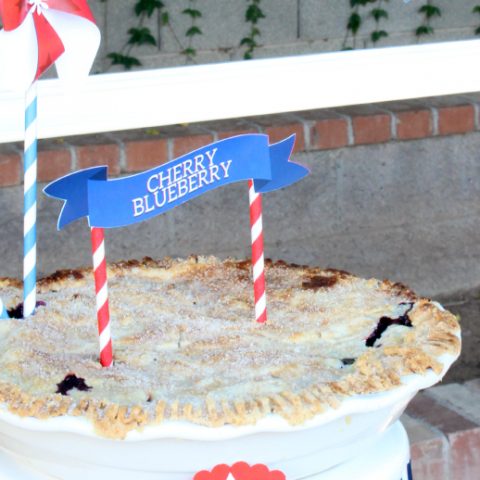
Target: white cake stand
(361, 434)
(67, 448)
(386, 459)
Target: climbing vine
(368, 17)
(253, 15)
(379, 14)
(429, 11)
(359, 15)
(193, 30)
(353, 25)
(139, 34)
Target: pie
(186, 346)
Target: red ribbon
(50, 46)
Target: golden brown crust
(186, 347)
(10, 282)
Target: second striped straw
(258, 263)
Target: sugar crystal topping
(186, 345)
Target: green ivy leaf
(423, 30)
(379, 13)
(377, 35)
(477, 31)
(430, 11)
(125, 60)
(189, 52)
(147, 7)
(249, 42)
(192, 31)
(254, 13)
(255, 32)
(354, 22)
(152, 131)
(165, 18)
(476, 9)
(141, 36)
(362, 3)
(192, 12)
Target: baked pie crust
(186, 346)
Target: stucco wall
(408, 211)
(290, 27)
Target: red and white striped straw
(258, 264)
(101, 292)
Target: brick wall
(132, 151)
(443, 425)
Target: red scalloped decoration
(240, 471)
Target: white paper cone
(18, 57)
(81, 39)
(19, 50)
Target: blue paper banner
(127, 200)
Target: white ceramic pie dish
(67, 447)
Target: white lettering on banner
(138, 207)
(211, 154)
(177, 172)
(226, 167)
(148, 208)
(171, 192)
(182, 187)
(202, 178)
(164, 178)
(192, 183)
(187, 167)
(149, 185)
(198, 162)
(177, 181)
(164, 198)
(214, 172)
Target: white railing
(122, 101)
